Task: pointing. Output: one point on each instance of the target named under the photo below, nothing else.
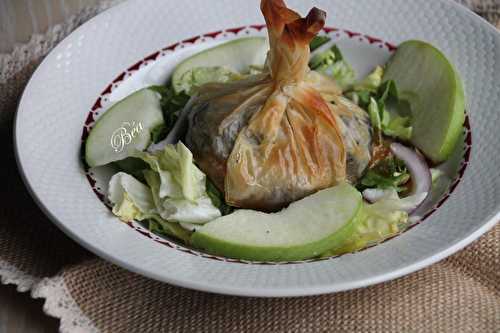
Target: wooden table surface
(19, 313)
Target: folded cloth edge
(60, 304)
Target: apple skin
(427, 80)
(240, 249)
(122, 120)
(236, 55)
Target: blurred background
(21, 19)
(24, 20)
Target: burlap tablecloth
(459, 294)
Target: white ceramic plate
(137, 43)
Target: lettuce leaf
(380, 220)
(362, 91)
(398, 127)
(389, 123)
(360, 98)
(318, 41)
(178, 187)
(159, 133)
(370, 83)
(132, 166)
(179, 177)
(131, 199)
(180, 209)
(343, 73)
(126, 209)
(375, 115)
(161, 227)
(175, 193)
(388, 173)
(373, 95)
(199, 76)
(167, 186)
(331, 62)
(217, 198)
(374, 179)
(171, 104)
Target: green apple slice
(125, 127)
(235, 55)
(432, 87)
(305, 229)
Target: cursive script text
(124, 135)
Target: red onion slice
(419, 171)
(389, 198)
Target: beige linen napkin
(459, 294)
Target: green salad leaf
(361, 98)
(199, 76)
(384, 121)
(162, 227)
(375, 116)
(386, 91)
(132, 166)
(177, 185)
(156, 227)
(383, 219)
(318, 41)
(374, 96)
(217, 198)
(331, 62)
(132, 200)
(175, 192)
(363, 91)
(398, 127)
(171, 105)
(389, 173)
(371, 83)
(381, 222)
(159, 133)
(178, 175)
(436, 175)
(179, 209)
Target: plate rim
(317, 289)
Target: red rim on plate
(98, 107)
